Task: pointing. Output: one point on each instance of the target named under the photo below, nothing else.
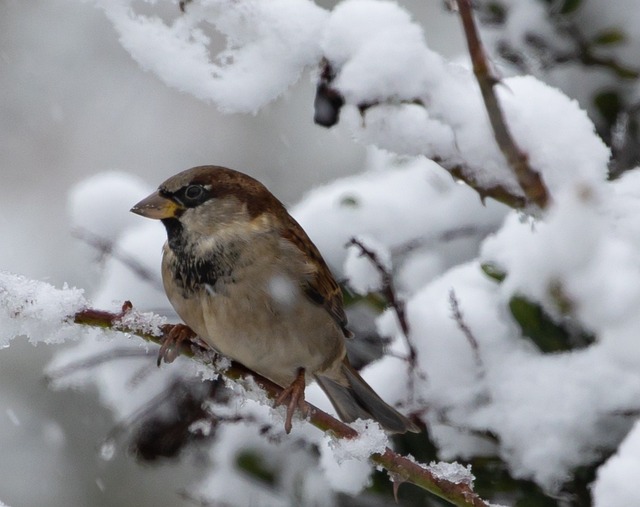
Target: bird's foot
(293, 397)
(174, 336)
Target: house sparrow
(245, 277)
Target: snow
(421, 104)
(343, 475)
(624, 19)
(102, 202)
(452, 472)
(142, 322)
(386, 126)
(371, 439)
(363, 79)
(547, 411)
(418, 103)
(387, 376)
(574, 250)
(368, 205)
(342, 37)
(267, 47)
(539, 406)
(544, 122)
(616, 484)
(37, 310)
(570, 237)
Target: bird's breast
(250, 306)
(193, 272)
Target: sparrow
(246, 279)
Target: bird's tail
(357, 400)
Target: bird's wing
(321, 287)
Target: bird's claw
(293, 397)
(174, 336)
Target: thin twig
(107, 247)
(459, 494)
(388, 291)
(464, 231)
(530, 180)
(466, 330)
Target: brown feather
(322, 287)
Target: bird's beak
(157, 207)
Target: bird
(245, 278)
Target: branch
(530, 180)
(499, 193)
(329, 101)
(400, 468)
(388, 291)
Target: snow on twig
(24, 302)
(459, 494)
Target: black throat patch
(193, 274)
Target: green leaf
(349, 201)
(496, 13)
(563, 7)
(493, 271)
(570, 6)
(609, 37)
(541, 329)
(253, 464)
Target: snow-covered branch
(378, 76)
(530, 180)
(26, 302)
(400, 468)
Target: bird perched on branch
(245, 277)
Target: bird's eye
(193, 192)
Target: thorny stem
(530, 180)
(388, 291)
(399, 467)
(327, 93)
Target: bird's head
(208, 201)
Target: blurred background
(73, 104)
